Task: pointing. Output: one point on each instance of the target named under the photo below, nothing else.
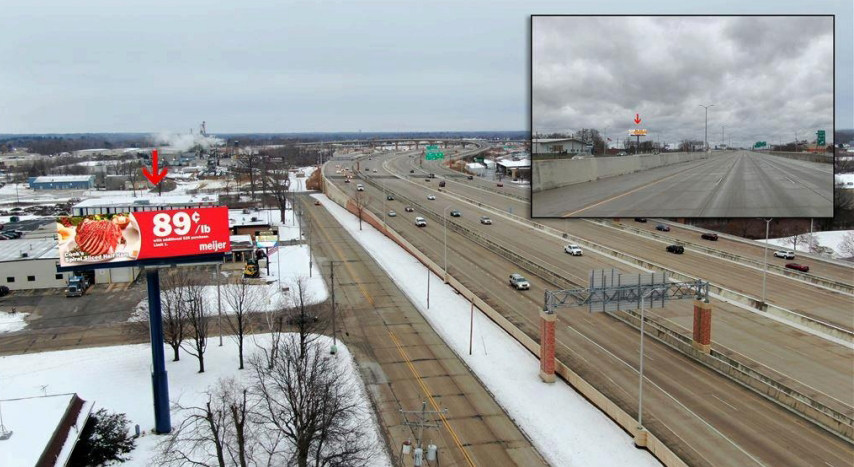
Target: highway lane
(831, 377)
(403, 361)
(739, 184)
(603, 350)
(829, 306)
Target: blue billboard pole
(159, 380)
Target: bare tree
(218, 433)
(174, 311)
(304, 313)
(308, 399)
(280, 184)
(198, 320)
(846, 245)
(362, 201)
(243, 299)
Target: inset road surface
(739, 184)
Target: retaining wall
(548, 174)
(805, 156)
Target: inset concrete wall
(548, 174)
(805, 156)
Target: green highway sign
(760, 144)
(478, 159)
(434, 155)
(820, 138)
(432, 146)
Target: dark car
(677, 249)
(640, 219)
(432, 175)
(469, 177)
(662, 228)
(442, 183)
(798, 267)
(4, 290)
(456, 213)
(412, 171)
(500, 184)
(409, 209)
(390, 198)
(710, 236)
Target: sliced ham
(97, 237)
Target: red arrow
(156, 177)
(637, 118)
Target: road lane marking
(725, 402)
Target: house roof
(63, 178)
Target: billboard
(637, 133)
(267, 239)
(125, 237)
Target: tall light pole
(723, 140)
(707, 124)
(640, 382)
(445, 228)
(765, 270)
(605, 142)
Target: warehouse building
(31, 264)
(62, 182)
(118, 205)
(559, 146)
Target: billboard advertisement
(267, 239)
(132, 236)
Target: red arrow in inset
(637, 118)
(156, 177)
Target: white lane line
(719, 181)
(790, 180)
(725, 402)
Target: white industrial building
(31, 264)
(117, 205)
(558, 146)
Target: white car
(485, 220)
(421, 222)
(518, 282)
(431, 197)
(359, 187)
(785, 254)
(392, 214)
(574, 250)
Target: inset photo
(682, 116)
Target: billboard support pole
(159, 380)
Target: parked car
(640, 219)
(421, 222)
(677, 249)
(574, 250)
(798, 267)
(456, 213)
(621, 153)
(441, 183)
(519, 282)
(409, 209)
(392, 214)
(785, 254)
(431, 197)
(485, 220)
(662, 227)
(710, 236)
(4, 290)
(390, 197)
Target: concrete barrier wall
(804, 156)
(620, 416)
(548, 174)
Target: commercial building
(62, 182)
(558, 146)
(117, 205)
(514, 168)
(31, 264)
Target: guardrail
(628, 423)
(809, 278)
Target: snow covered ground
(846, 179)
(567, 430)
(832, 239)
(11, 322)
(288, 230)
(119, 379)
(298, 184)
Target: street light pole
(706, 142)
(765, 270)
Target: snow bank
(831, 239)
(568, 430)
(11, 322)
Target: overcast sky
(289, 66)
(768, 77)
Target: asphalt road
(404, 362)
(739, 184)
(693, 407)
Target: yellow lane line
(430, 398)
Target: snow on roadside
(830, 239)
(119, 379)
(567, 430)
(11, 322)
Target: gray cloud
(768, 77)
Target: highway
(601, 348)
(732, 184)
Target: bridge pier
(547, 346)
(702, 326)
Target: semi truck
(77, 286)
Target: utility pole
(706, 139)
(334, 349)
(425, 419)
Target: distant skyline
(288, 67)
(763, 78)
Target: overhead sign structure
(760, 144)
(433, 153)
(820, 138)
(100, 239)
(637, 132)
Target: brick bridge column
(547, 346)
(702, 326)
